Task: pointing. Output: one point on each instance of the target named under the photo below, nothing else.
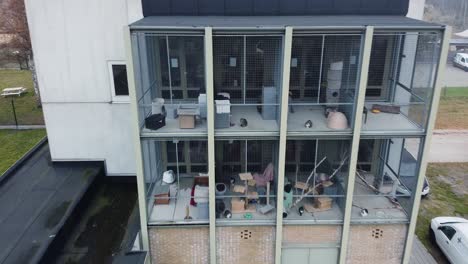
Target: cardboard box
(187, 116)
(237, 205)
(323, 203)
(186, 121)
(161, 195)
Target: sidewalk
(23, 127)
(449, 146)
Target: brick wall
(311, 234)
(383, 244)
(181, 245)
(244, 245)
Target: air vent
(246, 234)
(377, 233)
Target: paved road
(455, 77)
(449, 146)
(420, 255)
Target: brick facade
(312, 234)
(383, 244)
(246, 244)
(181, 245)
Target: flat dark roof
(273, 7)
(279, 22)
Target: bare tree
(14, 22)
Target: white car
(461, 61)
(451, 235)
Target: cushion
(201, 194)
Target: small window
(119, 82)
(462, 59)
(448, 231)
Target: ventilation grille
(377, 233)
(246, 234)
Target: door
(295, 255)
(444, 236)
(323, 255)
(312, 255)
(460, 248)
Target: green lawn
(453, 108)
(26, 109)
(448, 197)
(15, 143)
(455, 92)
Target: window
(119, 82)
(448, 231)
(378, 68)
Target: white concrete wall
(73, 41)
(416, 9)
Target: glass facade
(314, 135)
(323, 79)
(401, 81)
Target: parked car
(461, 61)
(451, 235)
(402, 189)
(426, 188)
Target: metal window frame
(284, 135)
(426, 143)
(361, 94)
(136, 140)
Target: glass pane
(401, 81)
(170, 78)
(178, 190)
(120, 79)
(247, 74)
(316, 180)
(228, 65)
(384, 189)
(323, 80)
(245, 179)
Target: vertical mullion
(315, 158)
(427, 140)
(321, 69)
(211, 141)
(282, 140)
(169, 66)
(136, 138)
(244, 70)
(366, 52)
(177, 162)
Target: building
(263, 131)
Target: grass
(448, 197)
(26, 109)
(15, 143)
(455, 92)
(453, 109)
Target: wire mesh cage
(247, 75)
(170, 74)
(401, 79)
(316, 172)
(324, 74)
(246, 177)
(177, 180)
(385, 187)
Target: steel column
(425, 153)
(282, 140)
(361, 94)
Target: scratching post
(268, 193)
